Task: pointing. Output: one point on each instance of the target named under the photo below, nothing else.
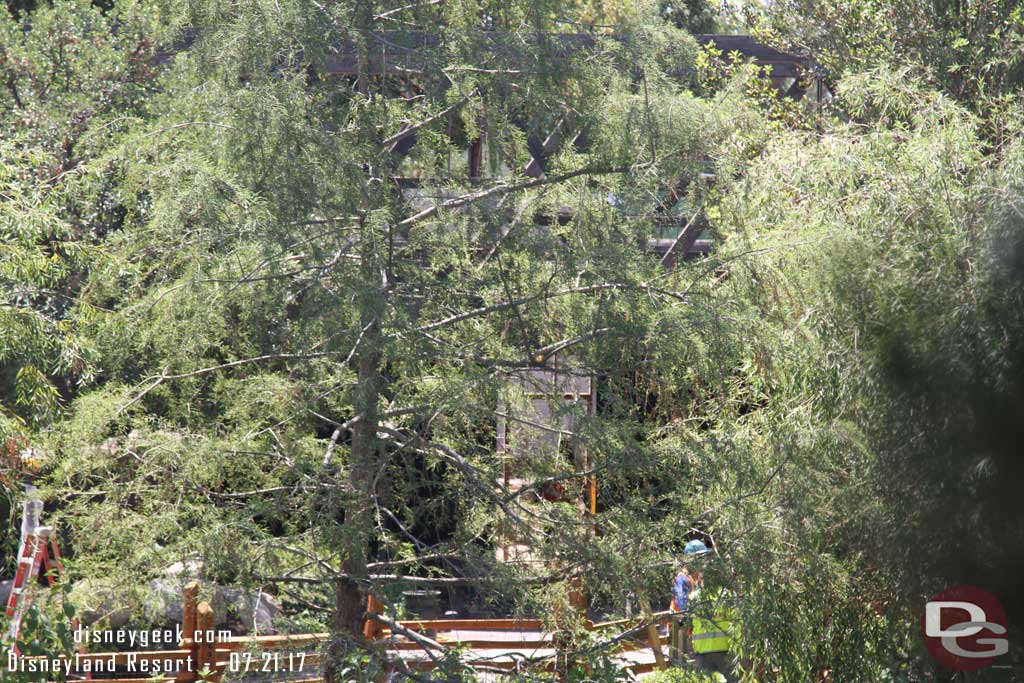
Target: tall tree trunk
(350, 598)
(350, 590)
(350, 594)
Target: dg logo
(965, 628)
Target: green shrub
(677, 675)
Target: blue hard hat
(695, 548)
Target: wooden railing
(297, 659)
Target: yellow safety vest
(712, 624)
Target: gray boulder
(158, 603)
(245, 611)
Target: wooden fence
(296, 658)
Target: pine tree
(339, 260)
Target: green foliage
(229, 311)
(717, 71)
(261, 342)
(70, 82)
(599, 668)
(679, 675)
(881, 315)
(972, 51)
(45, 632)
(694, 16)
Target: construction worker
(682, 586)
(712, 616)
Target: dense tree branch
(546, 296)
(398, 10)
(393, 140)
(508, 188)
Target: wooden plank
(653, 637)
(428, 664)
(121, 658)
(241, 642)
(479, 644)
(256, 663)
(592, 497)
(630, 645)
(188, 605)
(474, 624)
(655, 640)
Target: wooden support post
(561, 664)
(189, 598)
(655, 640)
(653, 637)
(592, 495)
(189, 595)
(204, 628)
(371, 627)
(578, 596)
(675, 649)
(476, 159)
(476, 150)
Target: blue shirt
(681, 591)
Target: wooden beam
(546, 665)
(659, 617)
(473, 624)
(480, 644)
(121, 658)
(685, 239)
(476, 158)
(189, 595)
(242, 642)
(371, 627)
(535, 169)
(653, 637)
(204, 625)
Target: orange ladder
(38, 550)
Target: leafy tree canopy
(262, 308)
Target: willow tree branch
(545, 296)
(392, 12)
(406, 132)
(507, 188)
